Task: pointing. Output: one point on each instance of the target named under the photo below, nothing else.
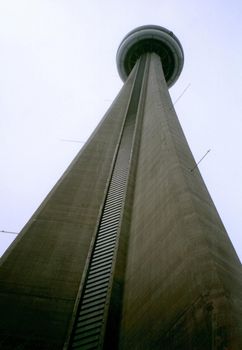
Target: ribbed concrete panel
(41, 272)
(183, 278)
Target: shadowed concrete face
(128, 250)
(41, 272)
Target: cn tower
(127, 251)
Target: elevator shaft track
(90, 318)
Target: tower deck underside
(173, 280)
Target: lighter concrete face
(173, 282)
(183, 285)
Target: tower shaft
(128, 250)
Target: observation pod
(151, 38)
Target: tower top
(151, 38)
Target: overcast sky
(58, 76)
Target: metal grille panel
(87, 332)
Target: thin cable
(77, 141)
(14, 233)
(201, 160)
(178, 98)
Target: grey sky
(58, 76)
